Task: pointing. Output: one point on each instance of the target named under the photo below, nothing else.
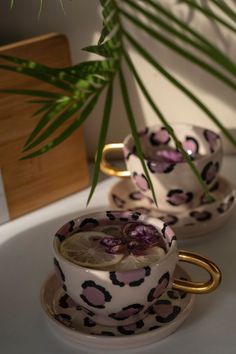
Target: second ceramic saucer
(196, 222)
(72, 324)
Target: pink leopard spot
(163, 310)
(130, 276)
(94, 296)
(141, 181)
(160, 288)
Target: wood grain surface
(32, 183)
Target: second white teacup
(176, 187)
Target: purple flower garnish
(114, 245)
(135, 238)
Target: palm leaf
(51, 112)
(109, 49)
(102, 139)
(63, 77)
(98, 67)
(103, 35)
(68, 113)
(68, 131)
(134, 130)
(40, 75)
(35, 93)
(45, 107)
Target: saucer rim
(195, 230)
(74, 336)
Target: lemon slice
(110, 230)
(150, 256)
(85, 249)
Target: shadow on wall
(175, 105)
(177, 64)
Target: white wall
(82, 24)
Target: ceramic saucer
(72, 324)
(195, 222)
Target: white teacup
(114, 297)
(176, 187)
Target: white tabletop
(26, 260)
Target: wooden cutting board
(33, 183)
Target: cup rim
(172, 247)
(202, 159)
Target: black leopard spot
(60, 237)
(165, 311)
(178, 197)
(210, 171)
(58, 270)
(64, 319)
(88, 322)
(88, 223)
(201, 215)
(136, 277)
(153, 328)
(63, 301)
(119, 203)
(223, 207)
(169, 219)
(127, 312)
(162, 284)
(92, 294)
(107, 333)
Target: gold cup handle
(106, 167)
(198, 287)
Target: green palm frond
(79, 86)
(102, 139)
(68, 131)
(134, 130)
